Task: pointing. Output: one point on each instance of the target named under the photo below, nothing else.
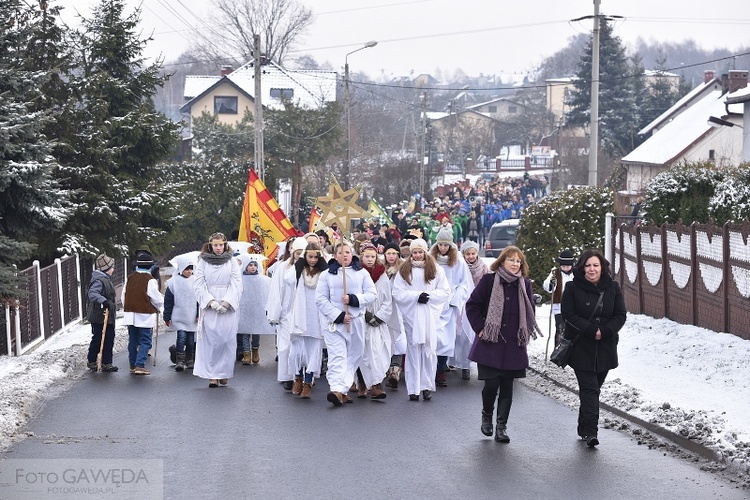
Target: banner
(314, 219)
(377, 211)
(263, 223)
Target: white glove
(215, 306)
(226, 305)
(221, 310)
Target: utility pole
(259, 153)
(422, 156)
(594, 125)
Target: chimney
(708, 75)
(225, 70)
(737, 79)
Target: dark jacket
(101, 289)
(578, 301)
(506, 355)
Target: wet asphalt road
(254, 440)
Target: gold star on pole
(340, 206)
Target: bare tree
(279, 23)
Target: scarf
(391, 271)
(375, 271)
(477, 269)
(215, 260)
(311, 281)
(527, 326)
(418, 263)
(442, 259)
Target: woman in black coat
(501, 311)
(595, 325)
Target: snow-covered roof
(677, 135)
(739, 96)
(497, 99)
(656, 72)
(311, 88)
(684, 103)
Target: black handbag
(564, 349)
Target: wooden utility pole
(258, 116)
(594, 125)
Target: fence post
(78, 286)
(39, 297)
(7, 330)
(664, 270)
(727, 274)
(638, 270)
(608, 241)
(58, 268)
(694, 273)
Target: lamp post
(347, 165)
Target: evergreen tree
(661, 95)
(31, 202)
(114, 141)
(617, 110)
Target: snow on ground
(688, 380)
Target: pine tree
(617, 110)
(31, 202)
(115, 140)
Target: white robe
(278, 311)
(345, 348)
(396, 327)
(216, 337)
(420, 323)
(378, 343)
(306, 335)
(461, 284)
(255, 291)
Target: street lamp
(347, 165)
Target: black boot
(486, 423)
(180, 364)
(503, 410)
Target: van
(501, 235)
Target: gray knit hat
(469, 244)
(104, 263)
(445, 234)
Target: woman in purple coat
(502, 312)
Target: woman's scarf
(442, 259)
(478, 269)
(527, 326)
(375, 271)
(215, 260)
(311, 281)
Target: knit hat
(104, 263)
(469, 244)
(418, 243)
(299, 244)
(367, 246)
(566, 258)
(393, 246)
(445, 234)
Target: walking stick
(549, 330)
(156, 338)
(101, 346)
(346, 306)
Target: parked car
(501, 235)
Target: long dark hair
(585, 256)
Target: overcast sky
(478, 36)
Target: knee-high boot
(503, 411)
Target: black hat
(566, 258)
(143, 257)
(391, 245)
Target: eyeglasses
(514, 261)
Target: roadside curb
(688, 444)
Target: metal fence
(697, 274)
(54, 298)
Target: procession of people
(386, 302)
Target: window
(512, 110)
(711, 155)
(225, 105)
(492, 109)
(282, 93)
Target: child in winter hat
(104, 263)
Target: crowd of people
(366, 313)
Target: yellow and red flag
(263, 223)
(314, 219)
